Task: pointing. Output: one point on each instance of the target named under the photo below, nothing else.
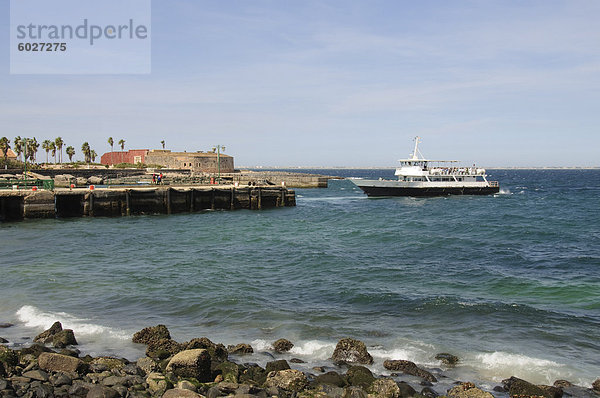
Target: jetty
(124, 201)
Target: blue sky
(338, 83)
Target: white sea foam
(314, 349)
(499, 365)
(35, 318)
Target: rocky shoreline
(53, 367)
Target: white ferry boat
(416, 177)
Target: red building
(133, 156)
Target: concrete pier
(108, 202)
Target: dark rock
(331, 378)
(102, 392)
(253, 374)
(227, 387)
(562, 383)
(429, 393)
(229, 370)
(41, 391)
(163, 348)
(180, 393)
(36, 375)
(469, 390)
(35, 350)
(596, 385)
(447, 359)
(114, 380)
(47, 335)
(240, 349)
(191, 363)
(275, 366)
(70, 352)
(282, 345)
(132, 369)
(297, 360)
(3, 340)
(351, 350)
(5, 325)
(64, 338)
(213, 392)
(519, 387)
(79, 389)
(555, 392)
(217, 352)
(330, 390)
(499, 389)
(3, 384)
(319, 369)
(60, 379)
(360, 376)
(406, 390)
(8, 357)
(150, 334)
(354, 392)
(410, 368)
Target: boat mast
(416, 151)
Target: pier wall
(19, 205)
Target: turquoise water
(510, 282)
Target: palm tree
(111, 142)
(5, 146)
(163, 143)
(18, 146)
(53, 149)
(32, 148)
(46, 147)
(93, 155)
(70, 152)
(59, 144)
(85, 148)
(122, 144)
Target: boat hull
(431, 191)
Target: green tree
(163, 143)
(18, 146)
(59, 145)
(5, 146)
(86, 150)
(70, 152)
(122, 145)
(53, 150)
(32, 148)
(111, 142)
(46, 147)
(93, 155)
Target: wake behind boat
(417, 178)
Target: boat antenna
(416, 152)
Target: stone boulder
(102, 392)
(290, 380)
(3, 340)
(360, 376)
(147, 365)
(150, 334)
(385, 388)
(81, 181)
(240, 349)
(60, 363)
(447, 359)
(331, 378)
(181, 393)
(229, 370)
(218, 352)
(516, 387)
(351, 350)
(410, 368)
(596, 386)
(47, 335)
(64, 338)
(253, 374)
(282, 345)
(275, 366)
(191, 363)
(468, 390)
(163, 348)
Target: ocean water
(510, 283)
